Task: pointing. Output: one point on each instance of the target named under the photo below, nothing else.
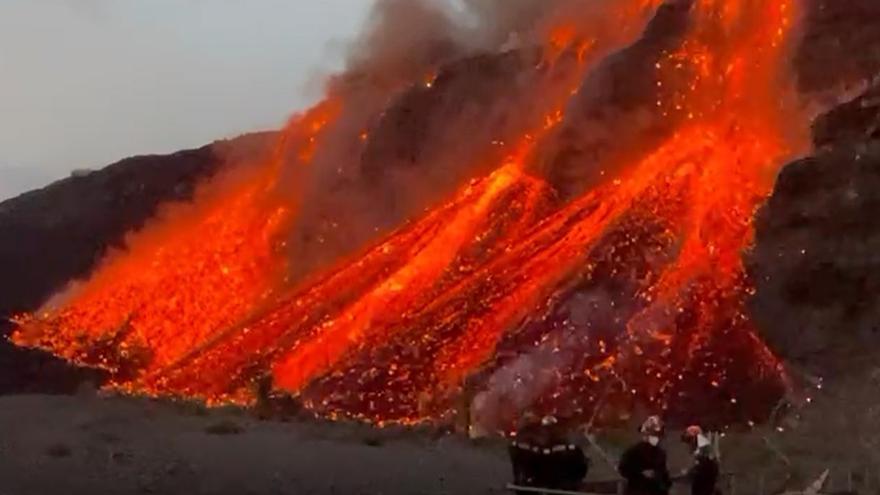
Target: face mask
(653, 440)
(702, 441)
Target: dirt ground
(89, 445)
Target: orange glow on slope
(203, 269)
(395, 294)
(434, 244)
(715, 170)
(318, 340)
(130, 303)
(399, 332)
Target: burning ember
(508, 296)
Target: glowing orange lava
(202, 270)
(470, 303)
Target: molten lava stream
(693, 338)
(721, 161)
(181, 279)
(469, 296)
(745, 43)
(306, 324)
(398, 292)
(447, 337)
(222, 369)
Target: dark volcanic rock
(816, 261)
(431, 138)
(614, 117)
(851, 123)
(841, 44)
(51, 236)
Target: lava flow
(203, 269)
(507, 297)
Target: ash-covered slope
(53, 235)
(817, 273)
(816, 262)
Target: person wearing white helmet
(703, 474)
(643, 465)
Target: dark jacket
(704, 475)
(567, 467)
(547, 461)
(640, 458)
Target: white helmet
(652, 426)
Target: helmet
(652, 426)
(698, 438)
(692, 432)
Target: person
(542, 457)
(643, 465)
(703, 474)
(564, 464)
(262, 387)
(524, 450)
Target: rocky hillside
(817, 273)
(816, 260)
(56, 234)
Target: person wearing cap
(703, 474)
(643, 465)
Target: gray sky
(84, 83)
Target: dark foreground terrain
(87, 444)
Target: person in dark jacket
(643, 465)
(703, 474)
(543, 457)
(564, 464)
(524, 452)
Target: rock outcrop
(816, 263)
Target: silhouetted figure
(262, 388)
(524, 452)
(703, 474)
(542, 456)
(566, 464)
(643, 465)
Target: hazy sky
(84, 83)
